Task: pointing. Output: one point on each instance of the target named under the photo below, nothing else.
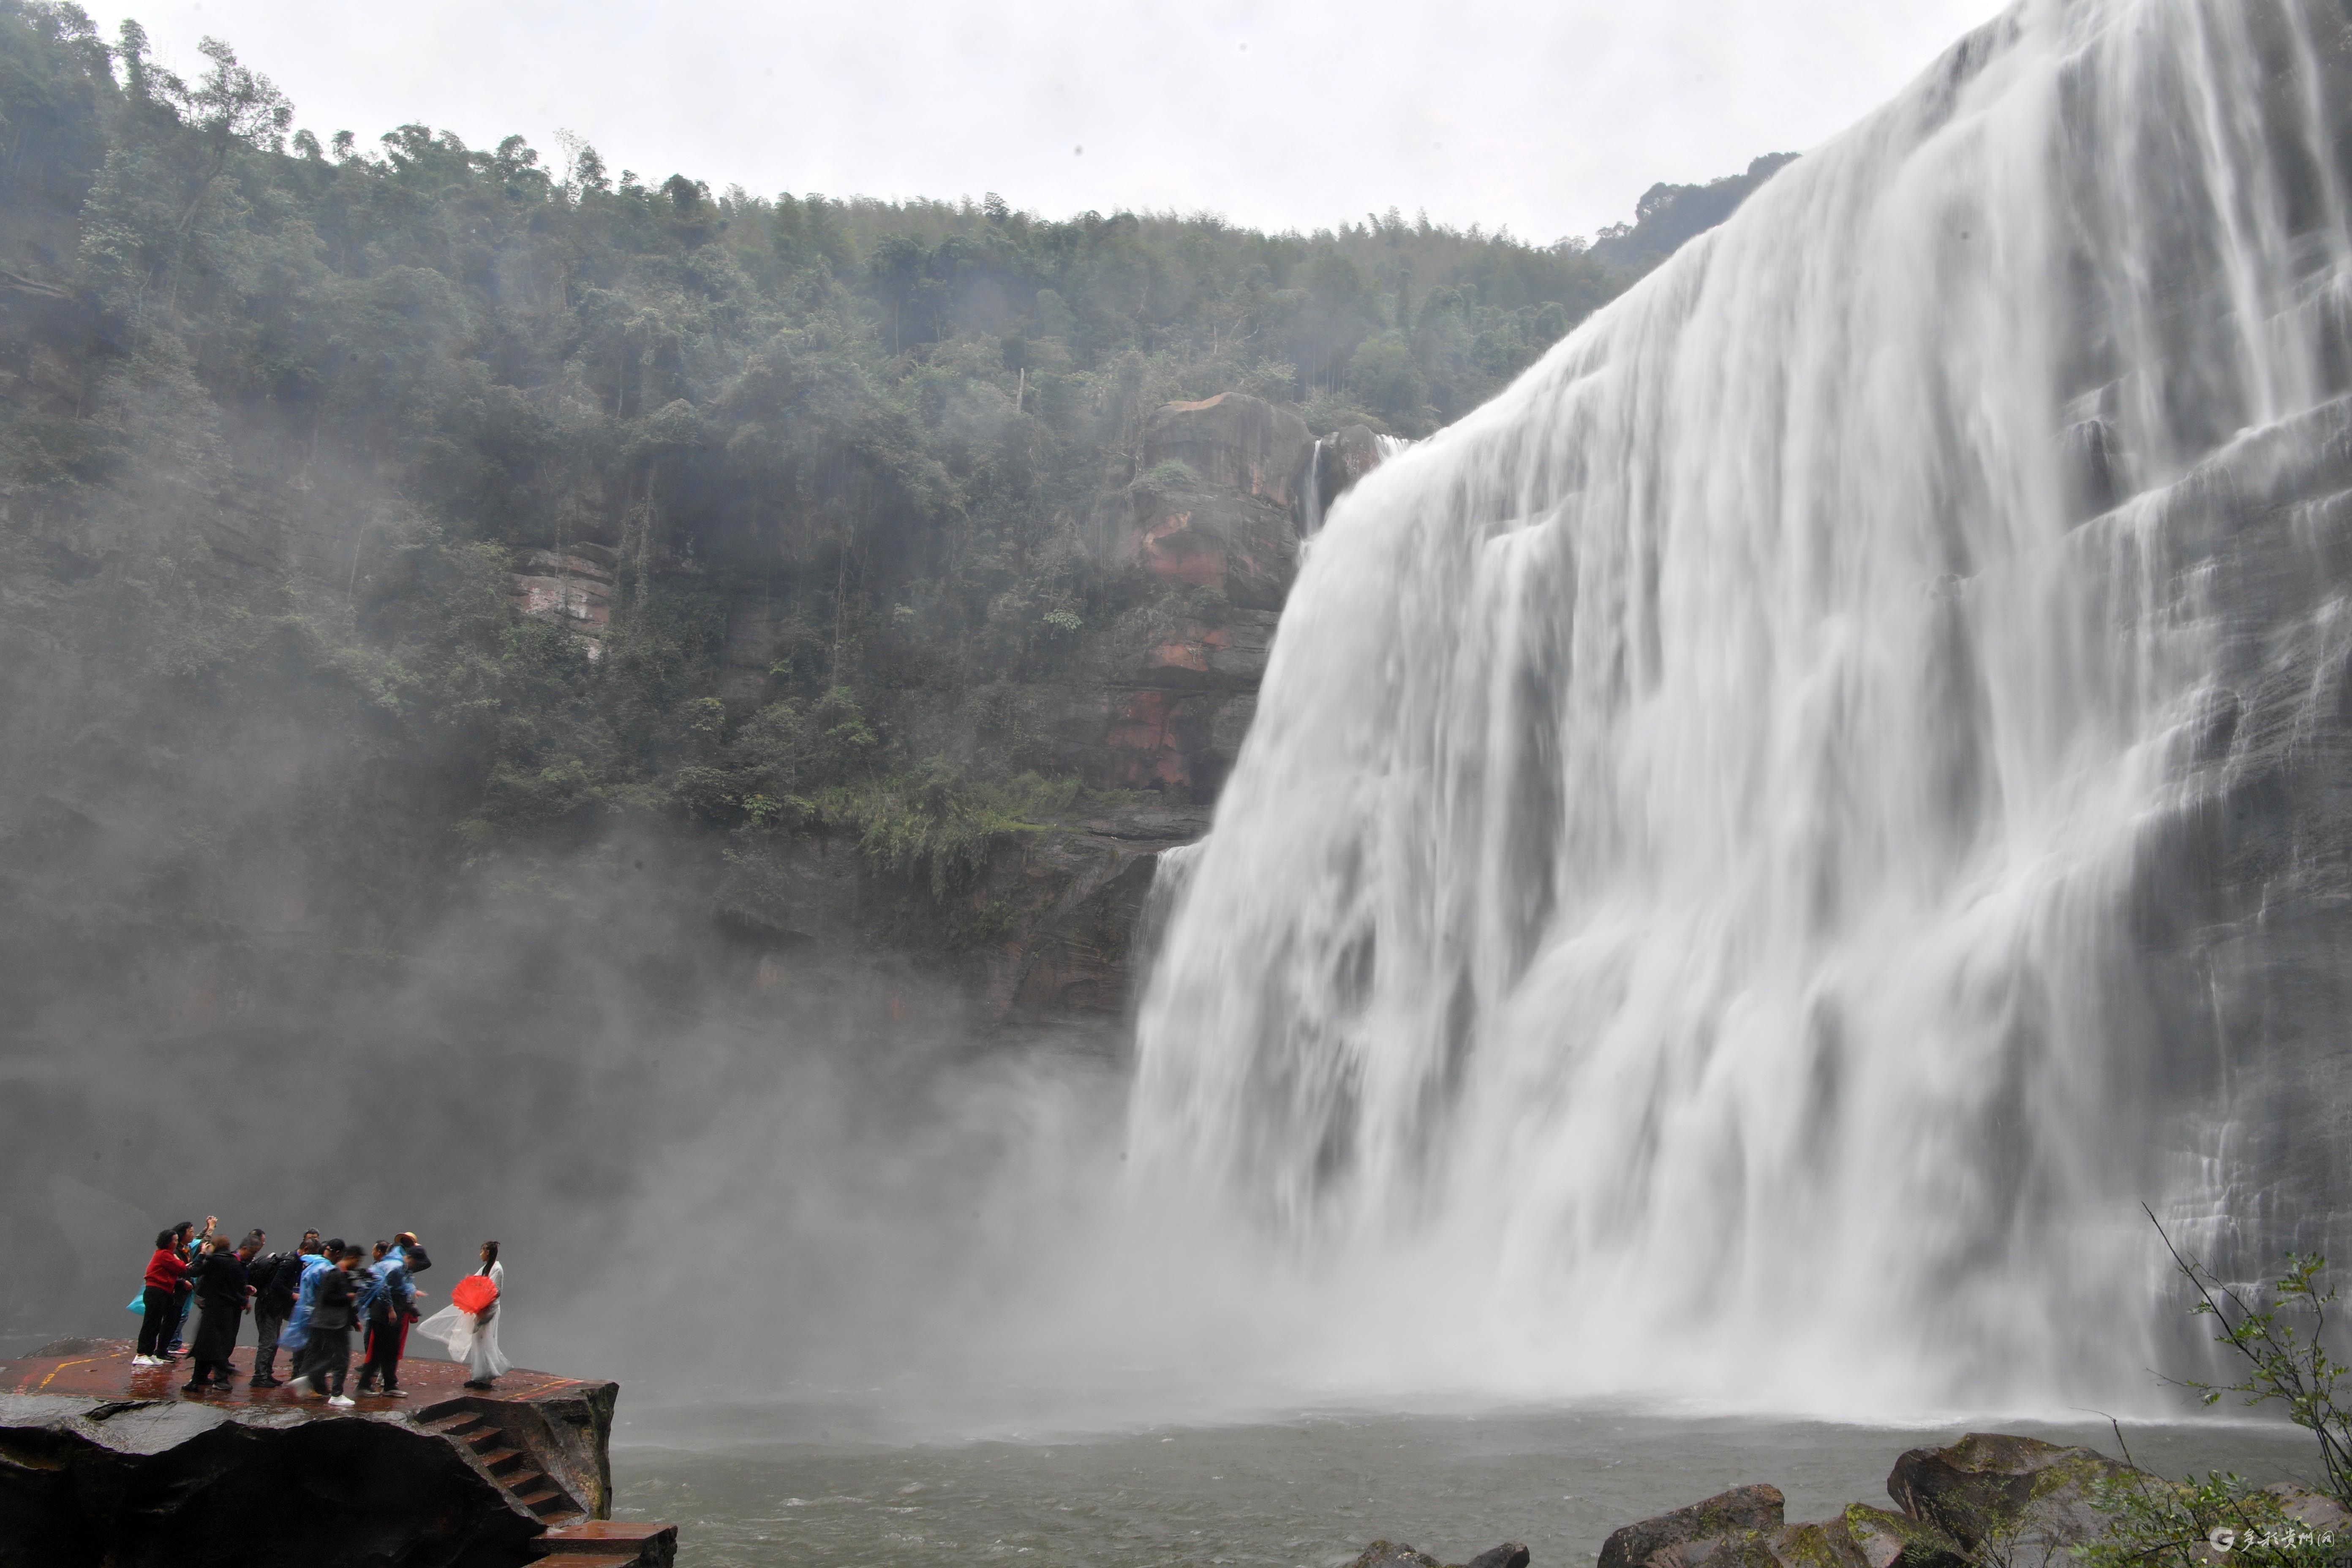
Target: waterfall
(1679, 905)
(1171, 872)
(1310, 493)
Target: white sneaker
(145, 1360)
(340, 1400)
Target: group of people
(308, 1303)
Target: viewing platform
(101, 1461)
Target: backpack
(275, 1276)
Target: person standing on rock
(191, 1247)
(389, 1302)
(158, 1309)
(296, 1336)
(472, 1335)
(332, 1309)
(221, 1289)
(275, 1277)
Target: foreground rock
(1988, 1499)
(103, 1465)
(1739, 1513)
(2016, 1495)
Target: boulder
(1382, 1554)
(2025, 1500)
(1750, 1510)
(1510, 1554)
(1232, 441)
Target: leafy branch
(2284, 1364)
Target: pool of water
(817, 1482)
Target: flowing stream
(1674, 910)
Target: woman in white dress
(473, 1338)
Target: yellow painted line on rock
(53, 1372)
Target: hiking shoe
(395, 1394)
(265, 1382)
(340, 1402)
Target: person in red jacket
(160, 1304)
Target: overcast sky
(1550, 118)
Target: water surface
(816, 1483)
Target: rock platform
(102, 1462)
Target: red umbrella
(473, 1293)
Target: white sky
(1550, 118)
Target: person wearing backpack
(221, 1288)
(333, 1310)
(276, 1276)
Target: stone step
(498, 1459)
(542, 1496)
(610, 1543)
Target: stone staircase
(574, 1539)
(511, 1467)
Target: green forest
(278, 407)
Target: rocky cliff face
(1200, 549)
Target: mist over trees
(296, 805)
(382, 365)
(278, 414)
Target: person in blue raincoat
(295, 1337)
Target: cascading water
(1678, 905)
(1310, 494)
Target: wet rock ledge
(1988, 1499)
(104, 1465)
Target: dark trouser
(328, 1356)
(382, 1354)
(265, 1325)
(179, 1314)
(155, 1321)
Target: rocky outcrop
(1215, 502)
(1232, 442)
(1059, 907)
(102, 1463)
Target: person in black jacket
(327, 1357)
(220, 1294)
(275, 1277)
